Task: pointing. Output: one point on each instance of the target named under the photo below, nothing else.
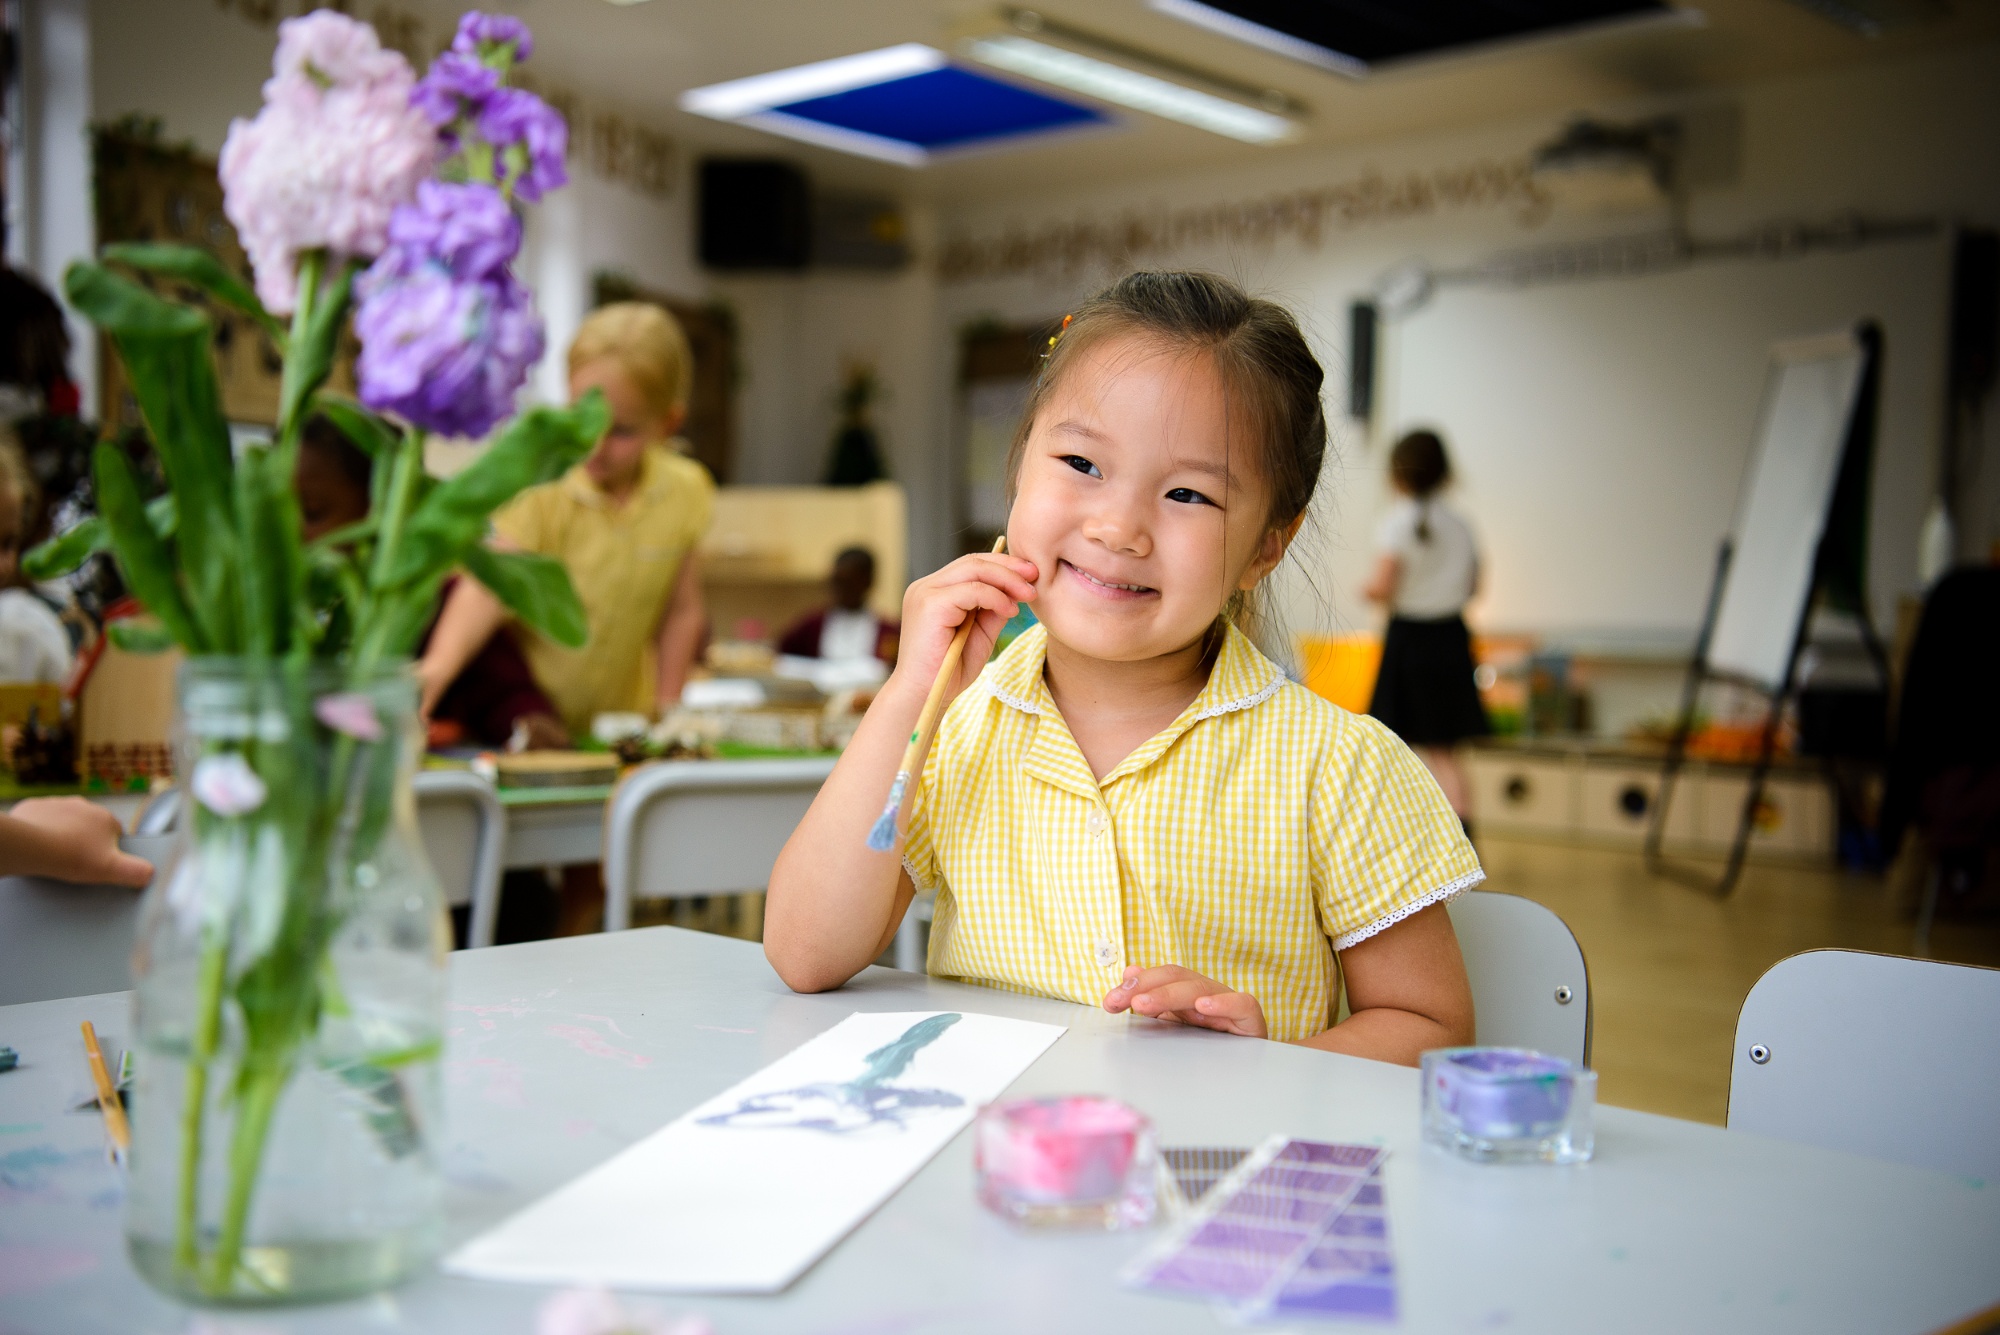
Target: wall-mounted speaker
(1362, 325)
(756, 213)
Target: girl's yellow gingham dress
(1262, 831)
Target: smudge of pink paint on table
(724, 1029)
(516, 1008)
(577, 1127)
(506, 1083)
(605, 1020)
(592, 1042)
(454, 1031)
(24, 1269)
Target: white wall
(1600, 428)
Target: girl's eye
(1188, 496)
(1081, 465)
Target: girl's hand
(988, 586)
(1186, 997)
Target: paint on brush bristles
(883, 837)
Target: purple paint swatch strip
(1285, 1235)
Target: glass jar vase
(290, 984)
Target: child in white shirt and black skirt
(1426, 569)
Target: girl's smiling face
(1140, 501)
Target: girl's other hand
(988, 586)
(1186, 997)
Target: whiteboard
(1781, 511)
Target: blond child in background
(34, 647)
(624, 523)
(1133, 806)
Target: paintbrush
(107, 1093)
(882, 837)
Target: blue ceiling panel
(943, 109)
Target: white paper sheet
(744, 1193)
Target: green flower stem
(374, 623)
(257, 1100)
(208, 1013)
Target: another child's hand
(71, 839)
(988, 586)
(1186, 997)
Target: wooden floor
(1670, 966)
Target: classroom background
(1579, 257)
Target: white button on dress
(1107, 952)
(1094, 824)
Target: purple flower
(452, 81)
(469, 228)
(478, 30)
(446, 353)
(532, 139)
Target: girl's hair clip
(1057, 336)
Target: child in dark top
(495, 698)
(847, 629)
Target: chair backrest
(460, 822)
(1530, 984)
(1877, 1055)
(702, 827)
(464, 832)
(62, 940)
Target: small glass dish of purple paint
(1078, 1161)
(1508, 1105)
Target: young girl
(1132, 806)
(1426, 567)
(624, 522)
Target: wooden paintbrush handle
(934, 702)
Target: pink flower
(226, 785)
(597, 1312)
(335, 149)
(349, 712)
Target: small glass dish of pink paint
(1077, 1161)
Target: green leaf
(535, 589)
(67, 551)
(165, 348)
(140, 637)
(536, 447)
(371, 434)
(193, 265)
(143, 557)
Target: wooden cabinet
(1602, 796)
(770, 549)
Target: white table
(1675, 1227)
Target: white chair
(62, 940)
(464, 832)
(1530, 984)
(462, 826)
(1877, 1055)
(702, 827)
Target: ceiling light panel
(905, 104)
(1127, 87)
(1353, 37)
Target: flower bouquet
(290, 974)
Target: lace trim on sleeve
(1437, 896)
(919, 882)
